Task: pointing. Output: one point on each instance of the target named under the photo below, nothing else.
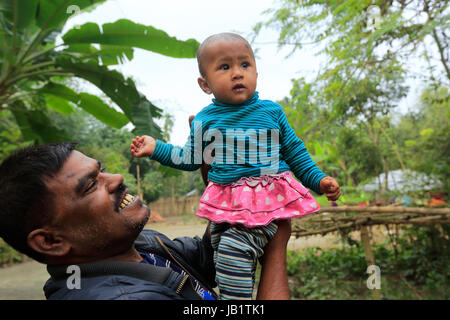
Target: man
(60, 207)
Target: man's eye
(94, 183)
(224, 67)
(91, 185)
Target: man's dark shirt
(194, 255)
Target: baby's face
(230, 72)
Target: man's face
(87, 209)
(230, 72)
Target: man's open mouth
(127, 201)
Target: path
(23, 281)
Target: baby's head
(227, 67)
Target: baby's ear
(204, 85)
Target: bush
(8, 255)
(416, 269)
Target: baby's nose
(237, 74)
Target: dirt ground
(24, 281)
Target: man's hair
(25, 201)
(219, 37)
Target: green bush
(8, 255)
(417, 269)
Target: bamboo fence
(336, 219)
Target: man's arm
(273, 282)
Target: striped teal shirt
(248, 140)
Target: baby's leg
(236, 252)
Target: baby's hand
(330, 187)
(143, 146)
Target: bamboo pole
(386, 209)
(370, 258)
(321, 223)
(138, 177)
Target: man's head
(227, 67)
(58, 206)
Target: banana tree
(34, 68)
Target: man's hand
(330, 187)
(143, 146)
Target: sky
(171, 83)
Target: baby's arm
(300, 162)
(297, 157)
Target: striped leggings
(236, 252)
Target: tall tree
(369, 47)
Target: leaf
(143, 119)
(426, 132)
(58, 104)
(90, 103)
(125, 33)
(102, 111)
(35, 125)
(113, 55)
(108, 54)
(19, 12)
(61, 91)
(54, 13)
(24, 125)
(122, 91)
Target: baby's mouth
(238, 87)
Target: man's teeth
(127, 200)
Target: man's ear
(204, 85)
(48, 243)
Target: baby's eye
(224, 67)
(245, 65)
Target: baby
(250, 186)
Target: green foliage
(10, 137)
(8, 255)
(34, 70)
(345, 115)
(425, 135)
(416, 269)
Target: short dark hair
(225, 36)
(24, 196)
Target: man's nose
(113, 181)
